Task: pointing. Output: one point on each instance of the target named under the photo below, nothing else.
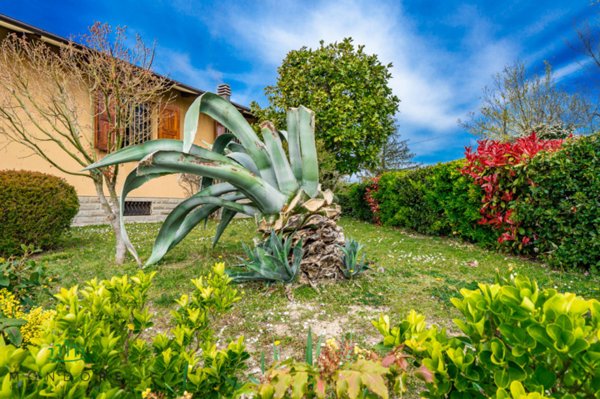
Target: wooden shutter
(169, 123)
(103, 124)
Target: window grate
(137, 208)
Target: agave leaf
(310, 166)
(221, 142)
(266, 197)
(226, 217)
(175, 228)
(219, 147)
(227, 115)
(132, 182)
(195, 217)
(244, 160)
(286, 180)
(141, 151)
(293, 140)
(235, 147)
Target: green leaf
(286, 180)
(141, 151)
(268, 199)
(293, 140)
(227, 115)
(310, 165)
(226, 217)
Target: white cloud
(179, 66)
(434, 95)
(571, 68)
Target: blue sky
(444, 52)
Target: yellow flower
(146, 393)
(277, 343)
(332, 344)
(131, 326)
(37, 321)
(9, 305)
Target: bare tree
(55, 96)
(515, 105)
(394, 155)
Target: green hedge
(351, 198)
(563, 206)
(35, 209)
(403, 201)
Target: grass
(410, 272)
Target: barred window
(140, 128)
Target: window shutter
(103, 124)
(169, 123)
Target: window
(169, 123)
(140, 128)
(137, 208)
(138, 131)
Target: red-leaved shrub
(498, 168)
(370, 190)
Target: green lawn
(410, 272)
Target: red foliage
(371, 189)
(495, 167)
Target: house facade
(151, 202)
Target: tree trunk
(111, 209)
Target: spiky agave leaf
(227, 115)
(270, 261)
(267, 198)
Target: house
(154, 200)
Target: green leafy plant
(349, 91)
(276, 260)
(342, 370)
(25, 277)
(563, 206)
(517, 340)
(353, 259)
(100, 345)
(35, 209)
(257, 178)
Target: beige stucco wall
(18, 157)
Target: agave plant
(256, 177)
(272, 260)
(353, 259)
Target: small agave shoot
(257, 178)
(270, 261)
(353, 260)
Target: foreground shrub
(101, 345)
(25, 278)
(516, 338)
(35, 209)
(563, 204)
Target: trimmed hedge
(556, 201)
(563, 206)
(35, 209)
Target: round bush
(35, 208)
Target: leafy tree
(515, 105)
(40, 106)
(349, 92)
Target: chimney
(224, 90)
